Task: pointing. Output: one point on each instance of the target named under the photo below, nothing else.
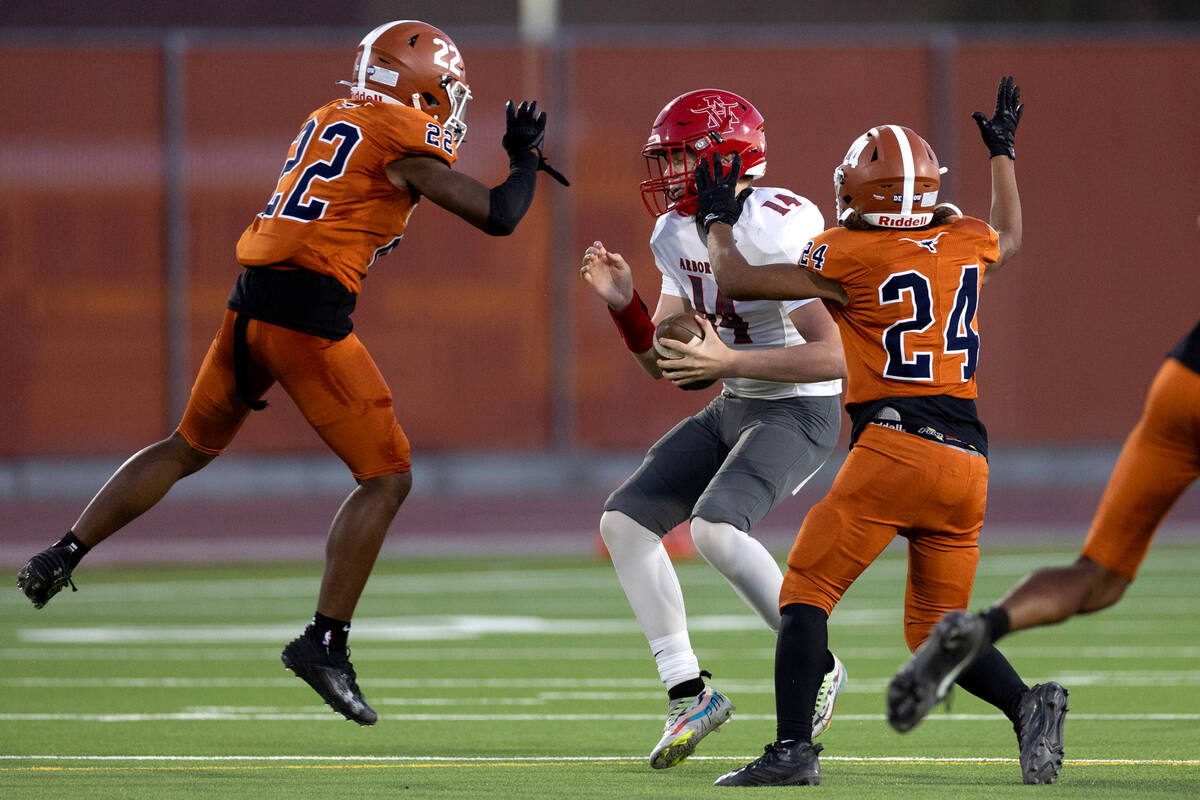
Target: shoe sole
(907, 700)
(1046, 757)
(678, 750)
(298, 669)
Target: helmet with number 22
(693, 125)
(414, 64)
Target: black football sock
(689, 688)
(996, 621)
(76, 549)
(993, 679)
(801, 656)
(327, 631)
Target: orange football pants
(1160, 458)
(894, 483)
(335, 384)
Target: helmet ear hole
(429, 99)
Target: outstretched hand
(1000, 131)
(524, 128)
(524, 132)
(608, 275)
(716, 190)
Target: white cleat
(831, 685)
(689, 719)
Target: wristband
(635, 325)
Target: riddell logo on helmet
(901, 222)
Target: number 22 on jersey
(958, 334)
(344, 137)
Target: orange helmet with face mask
(414, 64)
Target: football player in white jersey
(768, 431)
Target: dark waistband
(295, 298)
(951, 421)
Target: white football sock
(650, 584)
(745, 563)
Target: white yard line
(451, 760)
(1163, 678)
(240, 715)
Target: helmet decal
(713, 123)
(721, 116)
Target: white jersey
(774, 227)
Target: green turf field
(528, 678)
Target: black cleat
(331, 675)
(45, 575)
(791, 764)
(1040, 733)
(924, 681)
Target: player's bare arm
(741, 281)
(820, 358)
(999, 135)
(495, 211)
(431, 177)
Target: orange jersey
(910, 327)
(334, 211)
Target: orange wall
(460, 323)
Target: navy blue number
(347, 137)
(436, 136)
(916, 286)
(301, 145)
(960, 332)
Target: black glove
(999, 131)
(524, 131)
(715, 194)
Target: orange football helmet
(696, 124)
(414, 64)
(891, 177)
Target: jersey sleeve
(670, 284)
(783, 223)
(989, 242)
(403, 131)
(826, 255)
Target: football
(681, 327)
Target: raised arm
(999, 134)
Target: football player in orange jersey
(901, 277)
(351, 180)
(1159, 460)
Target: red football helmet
(696, 124)
(891, 177)
(414, 64)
